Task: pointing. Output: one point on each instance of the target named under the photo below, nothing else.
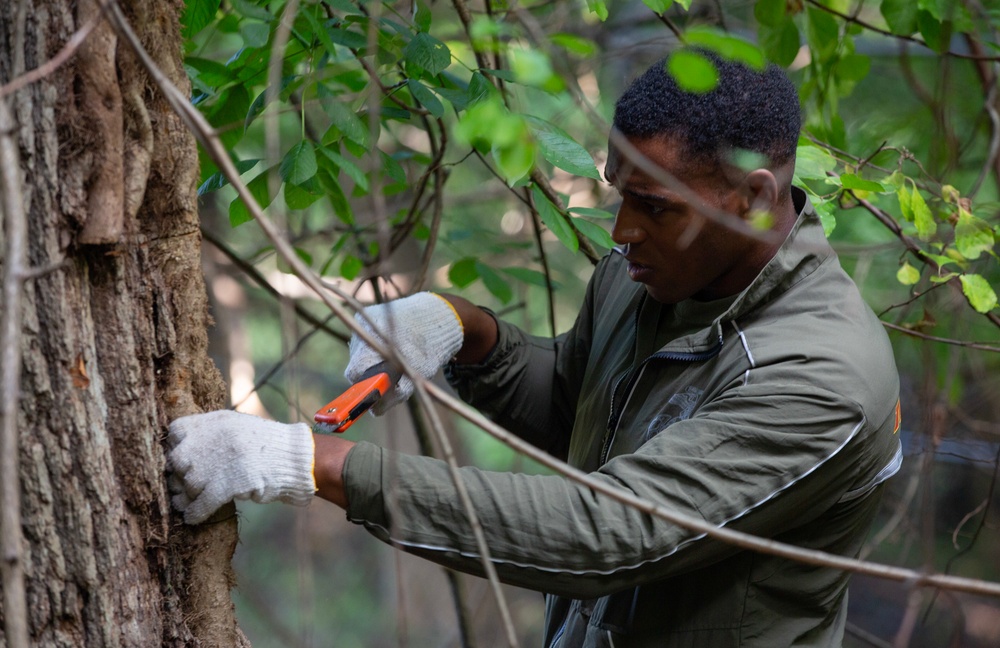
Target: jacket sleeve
(734, 464)
(529, 384)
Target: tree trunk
(113, 340)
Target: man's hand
(225, 455)
(424, 328)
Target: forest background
(377, 149)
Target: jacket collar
(804, 249)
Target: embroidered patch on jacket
(680, 406)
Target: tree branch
(15, 256)
(878, 30)
(699, 525)
(933, 338)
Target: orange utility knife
(341, 413)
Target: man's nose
(626, 228)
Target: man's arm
(328, 467)
(479, 331)
(479, 337)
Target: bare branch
(699, 525)
(878, 30)
(15, 258)
(978, 346)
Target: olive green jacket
(776, 418)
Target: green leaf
(979, 292)
(561, 150)
(935, 34)
(781, 42)
(853, 181)
(248, 9)
(341, 207)
(348, 38)
(255, 34)
(392, 168)
(197, 15)
(496, 284)
(208, 74)
(770, 12)
(299, 197)
(900, 15)
(238, 212)
(299, 164)
(480, 89)
(574, 44)
(812, 163)
(594, 232)
(907, 274)
(422, 17)
(905, 202)
(922, 216)
(218, 180)
(942, 261)
(427, 53)
(598, 7)
(823, 33)
(658, 6)
(692, 71)
(532, 67)
(348, 167)
(229, 115)
(591, 212)
(426, 98)
(528, 276)
(515, 161)
(727, 46)
(973, 236)
(351, 267)
(555, 221)
(825, 209)
(346, 123)
(853, 67)
(463, 272)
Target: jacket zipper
(616, 413)
(559, 633)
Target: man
(724, 372)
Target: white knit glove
(225, 455)
(424, 328)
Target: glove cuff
(290, 459)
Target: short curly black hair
(749, 109)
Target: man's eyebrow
(653, 197)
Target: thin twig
(912, 246)
(700, 525)
(11, 537)
(550, 290)
(259, 279)
(886, 32)
(978, 346)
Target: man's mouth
(639, 272)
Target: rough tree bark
(114, 341)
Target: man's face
(671, 246)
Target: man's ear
(761, 188)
